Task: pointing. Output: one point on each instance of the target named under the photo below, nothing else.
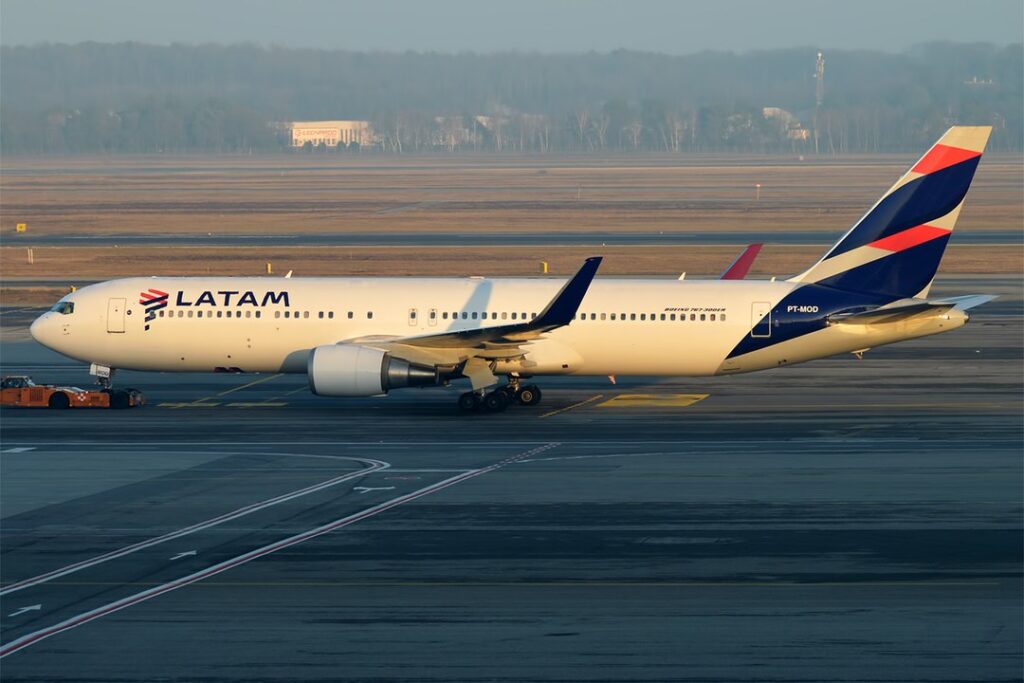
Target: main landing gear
(500, 399)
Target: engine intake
(354, 370)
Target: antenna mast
(819, 94)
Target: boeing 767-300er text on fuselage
(366, 336)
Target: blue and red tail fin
(895, 248)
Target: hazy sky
(673, 26)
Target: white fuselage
(623, 327)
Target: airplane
(367, 336)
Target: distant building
(789, 125)
(330, 133)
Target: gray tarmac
(841, 520)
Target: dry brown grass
(98, 263)
(300, 194)
(326, 193)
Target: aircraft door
(413, 315)
(115, 315)
(432, 318)
(760, 319)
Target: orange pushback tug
(22, 391)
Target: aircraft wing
(739, 268)
(474, 349)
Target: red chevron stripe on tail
(943, 156)
(909, 238)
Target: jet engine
(354, 370)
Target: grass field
(317, 194)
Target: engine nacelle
(354, 370)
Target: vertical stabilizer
(895, 248)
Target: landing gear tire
(469, 402)
(529, 395)
(59, 400)
(496, 401)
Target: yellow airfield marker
(652, 401)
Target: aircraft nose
(41, 329)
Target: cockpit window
(64, 307)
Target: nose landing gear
(119, 398)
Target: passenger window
(662, 316)
(494, 316)
(593, 316)
(523, 315)
(259, 313)
(712, 316)
(190, 314)
(277, 314)
(693, 316)
(672, 316)
(287, 314)
(330, 315)
(248, 314)
(613, 316)
(643, 316)
(632, 316)
(161, 314)
(722, 317)
(702, 317)
(444, 316)
(320, 315)
(465, 315)
(513, 316)
(602, 316)
(369, 315)
(199, 314)
(350, 315)
(474, 315)
(504, 316)
(533, 315)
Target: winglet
(739, 268)
(563, 307)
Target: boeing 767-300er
(366, 336)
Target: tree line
(132, 97)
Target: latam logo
(224, 298)
(152, 300)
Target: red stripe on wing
(943, 156)
(909, 238)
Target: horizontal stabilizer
(967, 302)
(906, 310)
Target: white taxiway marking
(30, 608)
(184, 554)
(20, 449)
(375, 466)
(34, 637)
(367, 489)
